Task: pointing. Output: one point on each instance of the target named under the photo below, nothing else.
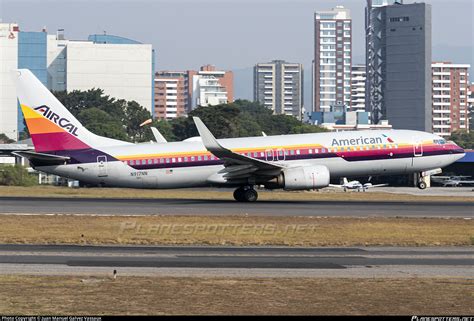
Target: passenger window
(167, 160)
(297, 152)
(193, 158)
(199, 158)
(310, 151)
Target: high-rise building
(358, 88)
(123, 68)
(470, 101)
(278, 85)
(450, 97)
(398, 59)
(171, 94)
(332, 58)
(205, 76)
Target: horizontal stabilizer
(41, 159)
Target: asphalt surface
(31, 205)
(232, 257)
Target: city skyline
(245, 23)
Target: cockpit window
(439, 141)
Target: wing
(378, 185)
(334, 185)
(237, 166)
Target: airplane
(455, 181)
(356, 185)
(290, 162)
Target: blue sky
(231, 34)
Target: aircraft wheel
(245, 194)
(239, 194)
(250, 195)
(421, 185)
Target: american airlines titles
(58, 120)
(357, 141)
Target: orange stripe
(42, 126)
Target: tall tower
(278, 85)
(332, 58)
(398, 60)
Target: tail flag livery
(52, 127)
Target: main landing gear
(245, 194)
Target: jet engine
(301, 178)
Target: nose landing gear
(245, 194)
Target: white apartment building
(332, 58)
(8, 62)
(207, 91)
(123, 71)
(278, 85)
(358, 78)
(450, 97)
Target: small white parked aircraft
(453, 181)
(356, 185)
(292, 162)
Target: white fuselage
(189, 164)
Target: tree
(134, 116)
(106, 116)
(4, 139)
(101, 123)
(241, 118)
(16, 175)
(463, 139)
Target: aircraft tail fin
(52, 127)
(344, 180)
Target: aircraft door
(417, 148)
(102, 166)
(280, 154)
(269, 156)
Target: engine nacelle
(301, 178)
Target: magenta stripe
(48, 142)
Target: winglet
(158, 137)
(209, 141)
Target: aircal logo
(357, 141)
(58, 120)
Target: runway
(31, 205)
(243, 261)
